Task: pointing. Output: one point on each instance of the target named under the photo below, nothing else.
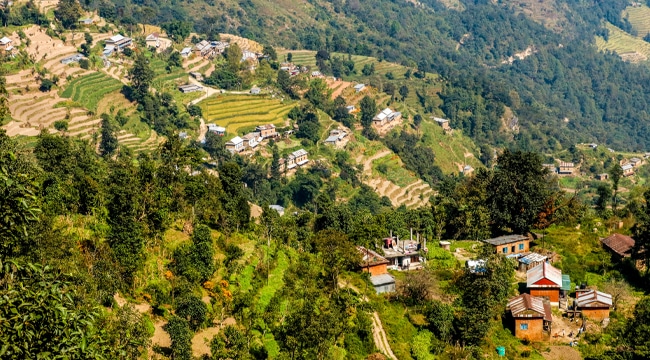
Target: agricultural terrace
(639, 17)
(308, 58)
(627, 46)
(88, 90)
(240, 113)
(163, 80)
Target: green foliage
(68, 12)
(141, 76)
(195, 261)
(368, 108)
(181, 336)
(230, 343)
(192, 309)
(177, 30)
(46, 85)
(109, 142)
(421, 345)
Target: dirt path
(367, 165)
(203, 129)
(562, 353)
(378, 333)
(208, 91)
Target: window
(521, 246)
(505, 249)
(523, 326)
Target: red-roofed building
(531, 316)
(544, 281)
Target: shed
(532, 317)
(359, 87)
(444, 123)
(186, 52)
(383, 283)
(544, 281)
(531, 260)
(510, 244)
(255, 90)
(603, 176)
(445, 245)
(594, 304)
(190, 88)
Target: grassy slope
(621, 42)
(89, 90)
(639, 17)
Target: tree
(604, 192)
(196, 261)
(230, 343)
(638, 330)
(368, 69)
(404, 91)
(175, 60)
(192, 309)
(4, 104)
(61, 125)
(615, 173)
(141, 77)
(337, 254)
(416, 287)
(289, 57)
(236, 206)
(318, 94)
(641, 231)
(109, 143)
(46, 85)
(270, 51)
(181, 337)
(368, 108)
(233, 55)
(417, 121)
(215, 145)
(517, 192)
(177, 30)
(68, 12)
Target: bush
(128, 52)
(192, 309)
(61, 125)
(84, 64)
(46, 85)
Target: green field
(235, 112)
(639, 17)
(90, 89)
(308, 58)
(623, 43)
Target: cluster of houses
(292, 69)
(248, 141)
(6, 46)
(337, 138)
(630, 166)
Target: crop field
(624, 44)
(308, 58)
(639, 17)
(244, 111)
(164, 80)
(90, 89)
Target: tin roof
(619, 243)
(544, 275)
(370, 258)
(383, 279)
(507, 239)
(526, 306)
(532, 258)
(592, 299)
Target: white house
(153, 40)
(251, 140)
(235, 144)
(221, 131)
(186, 52)
(359, 87)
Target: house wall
(385, 288)
(553, 294)
(595, 313)
(526, 248)
(375, 270)
(535, 330)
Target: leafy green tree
(61, 125)
(192, 309)
(421, 345)
(337, 254)
(196, 261)
(177, 30)
(615, 173)
(108, 143)
(270, 51)
(46, 85)
(4, 104)
(368, 108)
(233, 55)
(318, 93)
(68, 12)
(174, 60)
(404, 91)
(181, 336)
(641, 231)
(236, 205)
(141, 76)
(604, 192)
(517, 192)
(441, 319)
(215, 145)
(128, 335)
(230, 343)
(638, 329)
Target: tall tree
(233, 55)
(641, 232)
(615, 173)
(141, 77)
(368, 108)
(109, 143)
(68, 12)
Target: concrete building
(510, 244)
(531, 317)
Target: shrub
(84, 64)
(61, 125)
(46, 85)
(192, 309)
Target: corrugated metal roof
(619, 243)
(527, 306)
(382, 279)
(593, 298)
(544, 271)
(507, 239)
(532, 258)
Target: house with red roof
(544, 281)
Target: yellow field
(235, 112)
(639, 17)
(627, 46)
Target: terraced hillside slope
(240, 113)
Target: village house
(219, 46)
(235, 144)
(444, 123)
(593, 304)
(117, 43)
(619, 245)
(385, 117)
(544, 281)
(203, 48)
(186, 52)
(267, 131)
(376, 265)
(566, 168)
(316, 74)
(359, 87)
(300, 157)
(402, 254)
(248, 56)
(279, 209)
(467, 170)
(646, 155)
(219, 130)
(282, 164)
(602, 177)
(635, 161)
(529, 261)
(251, 140)
(71, 59)
(350, 109)
(153, 40)
(86, 22)
(190, 88)
(336, 137)
(531, 317)
(255, 90)
(510, 244)
(628, 170)
(6, 44)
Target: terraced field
(88, 90)
(308, 58)
(235, 112)
(628, 47)
(165, 81)
(639, 17)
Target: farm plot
(625, 45)
(244, 111)
(90, 89)
(639, 17)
